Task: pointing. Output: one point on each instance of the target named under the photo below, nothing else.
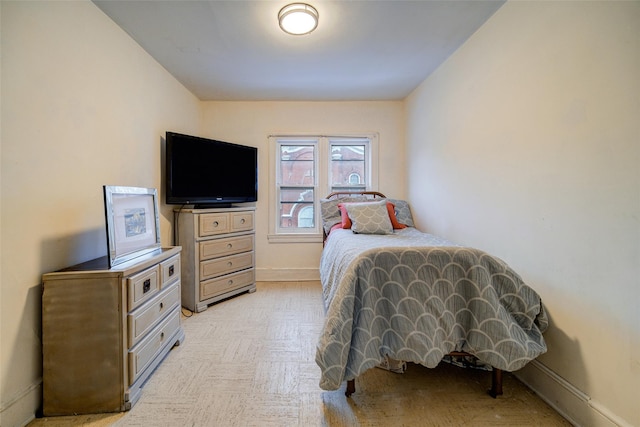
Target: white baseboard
(21, 410)
(286, 274)
(570, 402)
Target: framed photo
(133, 222)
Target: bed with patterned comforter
(414, 297)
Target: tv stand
(218, 254)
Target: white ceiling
(361, 50)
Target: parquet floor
(249, 361)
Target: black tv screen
(209, 173)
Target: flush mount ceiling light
(298, 18)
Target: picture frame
(132, 222)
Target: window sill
(294, 238)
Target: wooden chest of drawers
(104, 331)
(218, 254)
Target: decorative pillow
(346, 222)
(331, 214)
(392, 216)
(402, 211)
(370, 218)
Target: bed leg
(496, 383)
(351, 388)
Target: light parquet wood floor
(249, 361)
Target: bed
(403, 295)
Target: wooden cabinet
(218, 254)
(104, 331)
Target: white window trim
(322, 188)
(317, 178)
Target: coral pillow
(402, 211)
(346, 221)
(392, 216)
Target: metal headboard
(375, 194)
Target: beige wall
(82, 106)
(526, 143)
(251, 123)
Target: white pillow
(369, 218)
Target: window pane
(296, 208)
(297, 165)
(348, 166)
(349, 188)
(296, 194)
(306, 217)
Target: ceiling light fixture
(298, 18)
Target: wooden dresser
(104, 331)
(218, 254)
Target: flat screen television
(209, 173)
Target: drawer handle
(146, 286)
(161, 335)
(161, 306)
(229, 245)
(230, 264)
(171, 270)
(242, 221)
(230, 282)
(215, 223)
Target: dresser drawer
(145, 351)
(219, 266)
(142, 286)
(220, 285)
(227, 246)
(170, 270)
(241, 221)
(143, 319)
(213, 223)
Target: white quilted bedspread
(415, 297)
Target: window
(297, 166)
(308, 168)
(348, 164)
